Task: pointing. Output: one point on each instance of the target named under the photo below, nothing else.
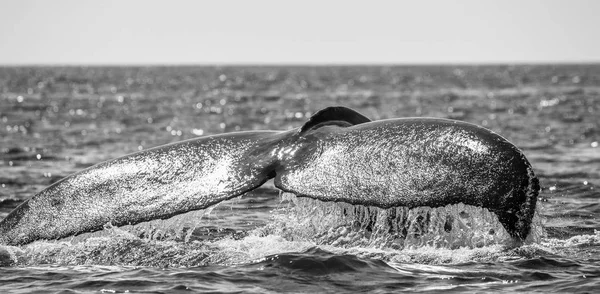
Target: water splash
(451, 234)
(346, 225)
(181, 228)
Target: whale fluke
(338, 155)
(152, 184)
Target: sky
(131, 32)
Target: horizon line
(301, 64)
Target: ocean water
(58, 120)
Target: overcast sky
(306, 31)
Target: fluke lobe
(338, 155)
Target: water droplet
(39, 156)
(222, 78)
(594, 144)
(20, 99)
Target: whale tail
(335, 156)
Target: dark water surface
(56, 121)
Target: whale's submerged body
(338, 155)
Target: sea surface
(55, 121)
